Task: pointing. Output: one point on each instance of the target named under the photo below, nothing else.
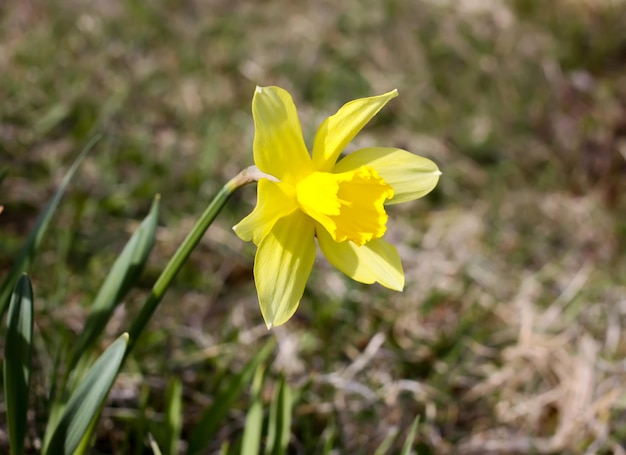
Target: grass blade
(32, 242)
(410, 438)
(384, 446)
(17, 362)
(173, 416)
(215, 414)
(328, 438)
(87, 400)
(153, 445)
(254, 419)
(123, 274)
(279, 430)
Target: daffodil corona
(302, 197)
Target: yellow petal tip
(391, 94)
(394, 287)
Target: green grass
(509, 333)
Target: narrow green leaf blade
(384, 446)
(279, 430)
(17, 362)
(122, 276)
(153, 445)
(87, 399)
(328, 438)
(254, 419)
(27, 252)
(85, 442)
(410, 438)
(173, 416)
(215, 414)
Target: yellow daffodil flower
(301, 197)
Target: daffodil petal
(411, 176)
(274, 201)
(339, 129)
(282, 266)
(279, 148)
(376, 261)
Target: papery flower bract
(307, 196)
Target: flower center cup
(350, 205)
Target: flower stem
(248, 175)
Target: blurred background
(509, 336)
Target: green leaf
(85, 442)
(27, 252)
(173, 416)
(410, 438)
(123, 274)
(254, 419)
(17, 362)
(384, 446)
(279, 429)
(328, 438)
(215, 414)
(87, 400)
(153, 445)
